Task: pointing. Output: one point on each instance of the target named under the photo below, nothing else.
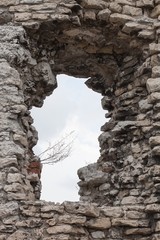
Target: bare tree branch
(58, 151)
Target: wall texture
(116, 45)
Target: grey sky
(72, 106)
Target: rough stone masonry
(115, 44)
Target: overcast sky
(71, 107)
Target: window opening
(71, 107)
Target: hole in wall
(71, 107)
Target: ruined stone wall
(116, 45)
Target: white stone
(153, 85)
(98, 235)
(15, 177)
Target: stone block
(130, 214)
(60, 18)
(16, 196)
(120, 18)
(131, 200)
(154, 141)
(138, 231)
(147, 34)
(104, 15)
(20, 139)
(65, 229)
(113, 212)
(15, 187)
(133, 11)
(99, 223)
(4, 3)
(154, 48)
(153, 208)
(144, 105)
(115, 7)
(153, 85)
(8, 209)
(7, 162)
(156, 151)
(52, 208)
(98, 235)
(20, 17)
(156, 11)
(145, 3)
(40, 16)
(90, 15)
(81, 208)
(133, 26)
(94, 4)
(15, 177)
(156, 71)
(154, 97)
(131, 223)
(72, 219)
(10, 75)
(19, 234)
(19, 8)
(126, 2)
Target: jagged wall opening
(72, 107)
(115, 66)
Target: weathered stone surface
(153, 84)
(74, 220)
(65, 229)
(104, 14)
(98, 235)
(120, 18)
(19, 234)
(131, 223)
(153, 208)
(154, 97)
(81, 208)
(5, 3)
(131, 200)
(154, 141)
(8, 162)
(53, 207)
(154, 48)
(156, 11)
(156, 71)
(116, 45)
(133, 11)
(115, 212)
(8, 209)
(94, 4)
(101, 223)
(138, 231)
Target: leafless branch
(58, 151)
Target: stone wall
(77, 221)
(116, 45)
